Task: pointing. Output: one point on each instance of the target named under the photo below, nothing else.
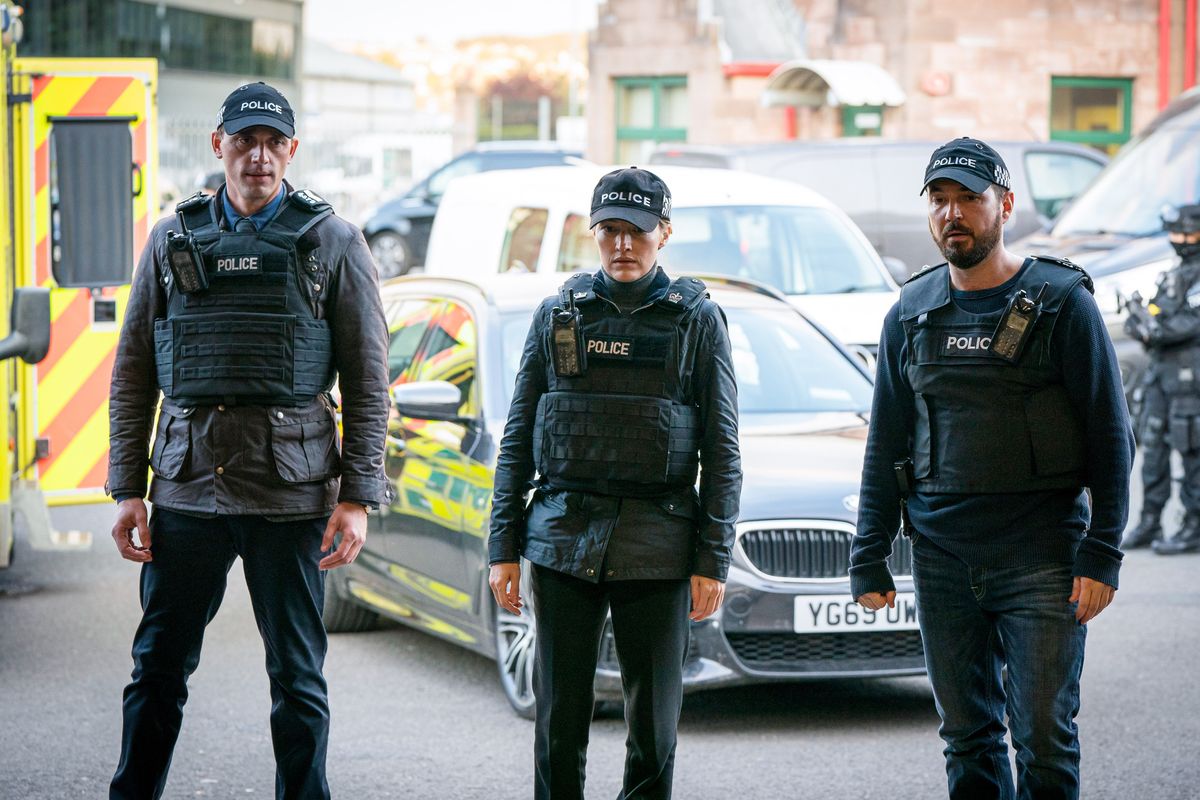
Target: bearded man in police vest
(244, 307)
(997, 404)
(625, 391)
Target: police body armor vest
(984, 425)
(1172, 298)
(630, 418)
(253, 336)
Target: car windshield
(783, 364)
(797, 250)
(1162, 169)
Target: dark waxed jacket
(619, 535)
(253, 459)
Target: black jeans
(650, 628)
(181, 590)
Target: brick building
(715, 71)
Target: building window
(177, 37)
(862, 120)
(1092, 111)
(650, 111)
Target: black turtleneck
(629, 295)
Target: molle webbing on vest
(253, 336)
(585, 437)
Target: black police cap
(256, 104)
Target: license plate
(825, 613)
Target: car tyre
(341, 614)
(516, 638)
(391, 254)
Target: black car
(398, 230)
(804, 400)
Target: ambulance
(78, 182)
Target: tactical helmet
(1181, 219)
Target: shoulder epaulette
(924, 270)
(308, 199)
(1063, 262)
(683, 293)
(580, 285)
(199, 198)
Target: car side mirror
(436, 400)
(896, 268)
(29, 335)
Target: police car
(804, 400)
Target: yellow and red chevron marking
(72, 382)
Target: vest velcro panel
(582, 437)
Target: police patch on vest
(966, 344)
(249, 264)
(610, 347)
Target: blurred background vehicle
(725, 223)
(398, 229)
(803, 400)
(1114, 228)
(876, 182)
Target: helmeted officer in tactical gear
(997, 403)
(244, 307)
(1169, 396)
(625, 392)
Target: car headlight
(1127, 281)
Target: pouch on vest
(1183, 423)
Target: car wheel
(341, 614)
(391, 254)
(515, 639)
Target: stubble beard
(967, 257)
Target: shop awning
(816, 83)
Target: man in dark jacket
(998, 401)
(243, 308)
(625, 390)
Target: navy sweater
(1004, 530)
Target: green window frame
(1101, 139)
(657, 133)
(850, 121)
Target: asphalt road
(416, 718)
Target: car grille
(828, 652)
(811, 552)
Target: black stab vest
(984, 425)
(253, 337)
(631, 418)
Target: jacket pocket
(1183, 423)
(172, 442)
(304, 442)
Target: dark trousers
(1156, 458)
(181, 590)
(975, 621)
(650, 628)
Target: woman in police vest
(625, 393)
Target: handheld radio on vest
(1017, 324)
(183, 257)
(567, 349)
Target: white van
(725, 222)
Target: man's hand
(1091, 597)
(707, 596)
(873, 601)
(505, 581)
(131, 516)
(349, 519)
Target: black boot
(1148, 531)
(1186, 541)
